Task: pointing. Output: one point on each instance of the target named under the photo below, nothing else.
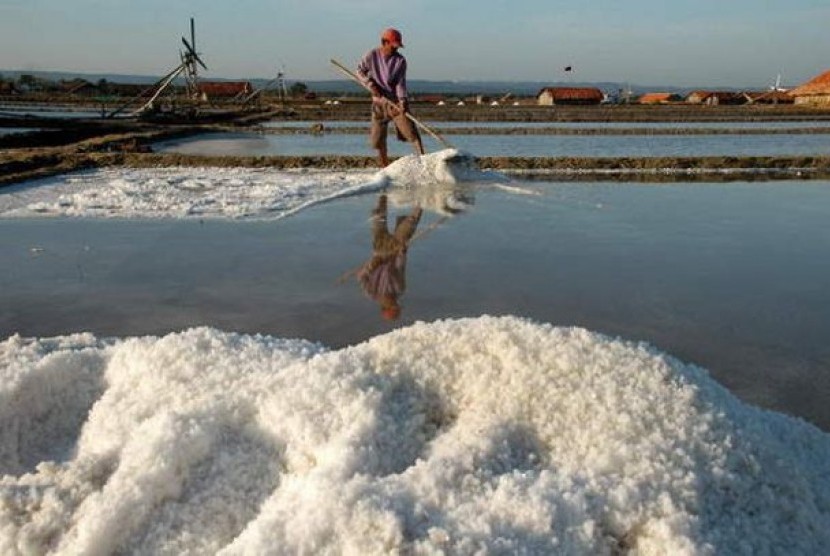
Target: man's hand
(375, 90)
(397, 108)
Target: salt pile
(487, 435)
(447, 166)
(181, 193)
(235, 193)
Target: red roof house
(715, 97)
(224, 89)
(658, 98)
(815, 91)
(569, 95)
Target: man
(383, 276)
(383, 71)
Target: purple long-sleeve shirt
(387, 72)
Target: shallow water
(728, 276)
(16, 130)
(254, 144)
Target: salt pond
(472, 433)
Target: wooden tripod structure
(279, 81)
(190, 61)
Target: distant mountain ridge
(416, 86)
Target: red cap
(393, 36)
(391, 313)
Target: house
(715, 97)
(224, 89)
(569, 95)
(659, 98)
(768, 97)
(815, 91)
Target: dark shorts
(381, 117)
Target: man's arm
(400, 88)
(365, 70)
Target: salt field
(583, 311)
(186, 365)
(254, 144)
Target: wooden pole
(141, 94)
(170, 78)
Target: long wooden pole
(423, 126)
(140, 95)
(164, 85)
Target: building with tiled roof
(658, 98)
(815, 91)
(224, 89)
(569, 95)
(768, 97)
(715, 97)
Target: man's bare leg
(383, 157)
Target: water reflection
(443, 199)
(382, 277)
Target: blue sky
(679, 43)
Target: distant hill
(417, 86)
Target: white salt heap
(235, 193)
(488, 435)
(446, 166)
(181, 193)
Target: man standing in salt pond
(383, 71)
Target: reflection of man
(383, 71)
(383, 276)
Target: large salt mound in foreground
(488, 435)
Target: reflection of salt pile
(446, 166)
(443, 198)
(481, 435)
